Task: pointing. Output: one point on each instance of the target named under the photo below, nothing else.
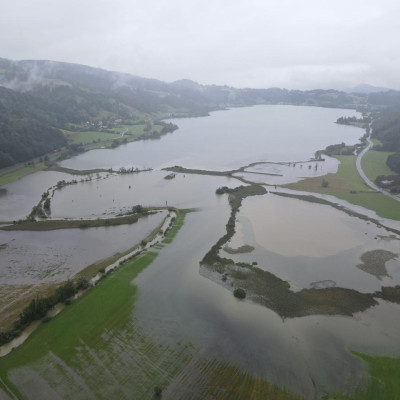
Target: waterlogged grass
(383, 382)
(94, 348)
(86, 317)
(348, 185)
(212, 379)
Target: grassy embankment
(348, 185)
(178, 223)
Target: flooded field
(181, 323)
(305, 243)
(282, 173)
(55, 256)
(19, 197)
(120, 192)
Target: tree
(239, 293)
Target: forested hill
(386, 128)
(25, 128)
(37, 98)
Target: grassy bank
(177, 224)
(348, 185)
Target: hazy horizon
(259, 44)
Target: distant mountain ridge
(365, 88)
(50, 96)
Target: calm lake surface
(300, 242)
(230, 139)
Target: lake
(230, 139)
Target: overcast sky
(251, 43)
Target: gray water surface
(230, 139)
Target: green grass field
(132, 132)
(383, 382)
(374, 164)
(348, 185)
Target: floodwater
(302, 243)
(231, 139)
(20, 196)
(186, 306)
(305, 243)
(120, 192)
(31, 257)
(280, 174)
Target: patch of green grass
(374, 164)
(348, 185)
(89, 137)
(383, 383)
(348, 171)
(20, 173)
(179, 220)
(131, 132)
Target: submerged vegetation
(264, 288)
(374, 262)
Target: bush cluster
(39, 306)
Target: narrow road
(365, 178)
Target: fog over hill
(46, 96)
